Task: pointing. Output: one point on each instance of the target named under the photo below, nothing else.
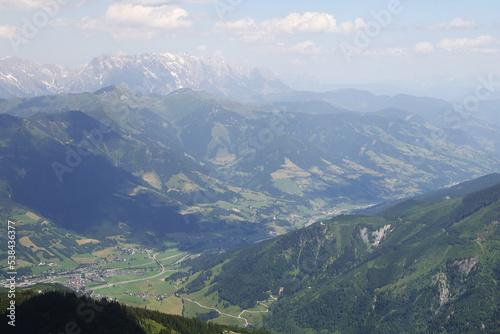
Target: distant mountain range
(363, 101)
(144, 73)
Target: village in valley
(132, 275)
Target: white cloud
(393, 52)
(165, 16)
(305, 51)
(160, 2)
(131, 22)
(31, 5)
(248, 29)
(7, 31)
(397, 52)
(21, 4)
(201, 48)
(473, 44)
(296, 62)
(309, 22)
(485, 50)
(350, 27)
(457, 23)
(306, 47)
(243, 24)
(312, 22)
(62, 22)
(424, 47)
(484, 44)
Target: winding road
(229, 315)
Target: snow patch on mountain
(144, 73)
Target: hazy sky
(338, 41)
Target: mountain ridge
(146, 73)
(225, 161)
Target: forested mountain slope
(58, 312)
(421, 266)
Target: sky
(328, 41)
